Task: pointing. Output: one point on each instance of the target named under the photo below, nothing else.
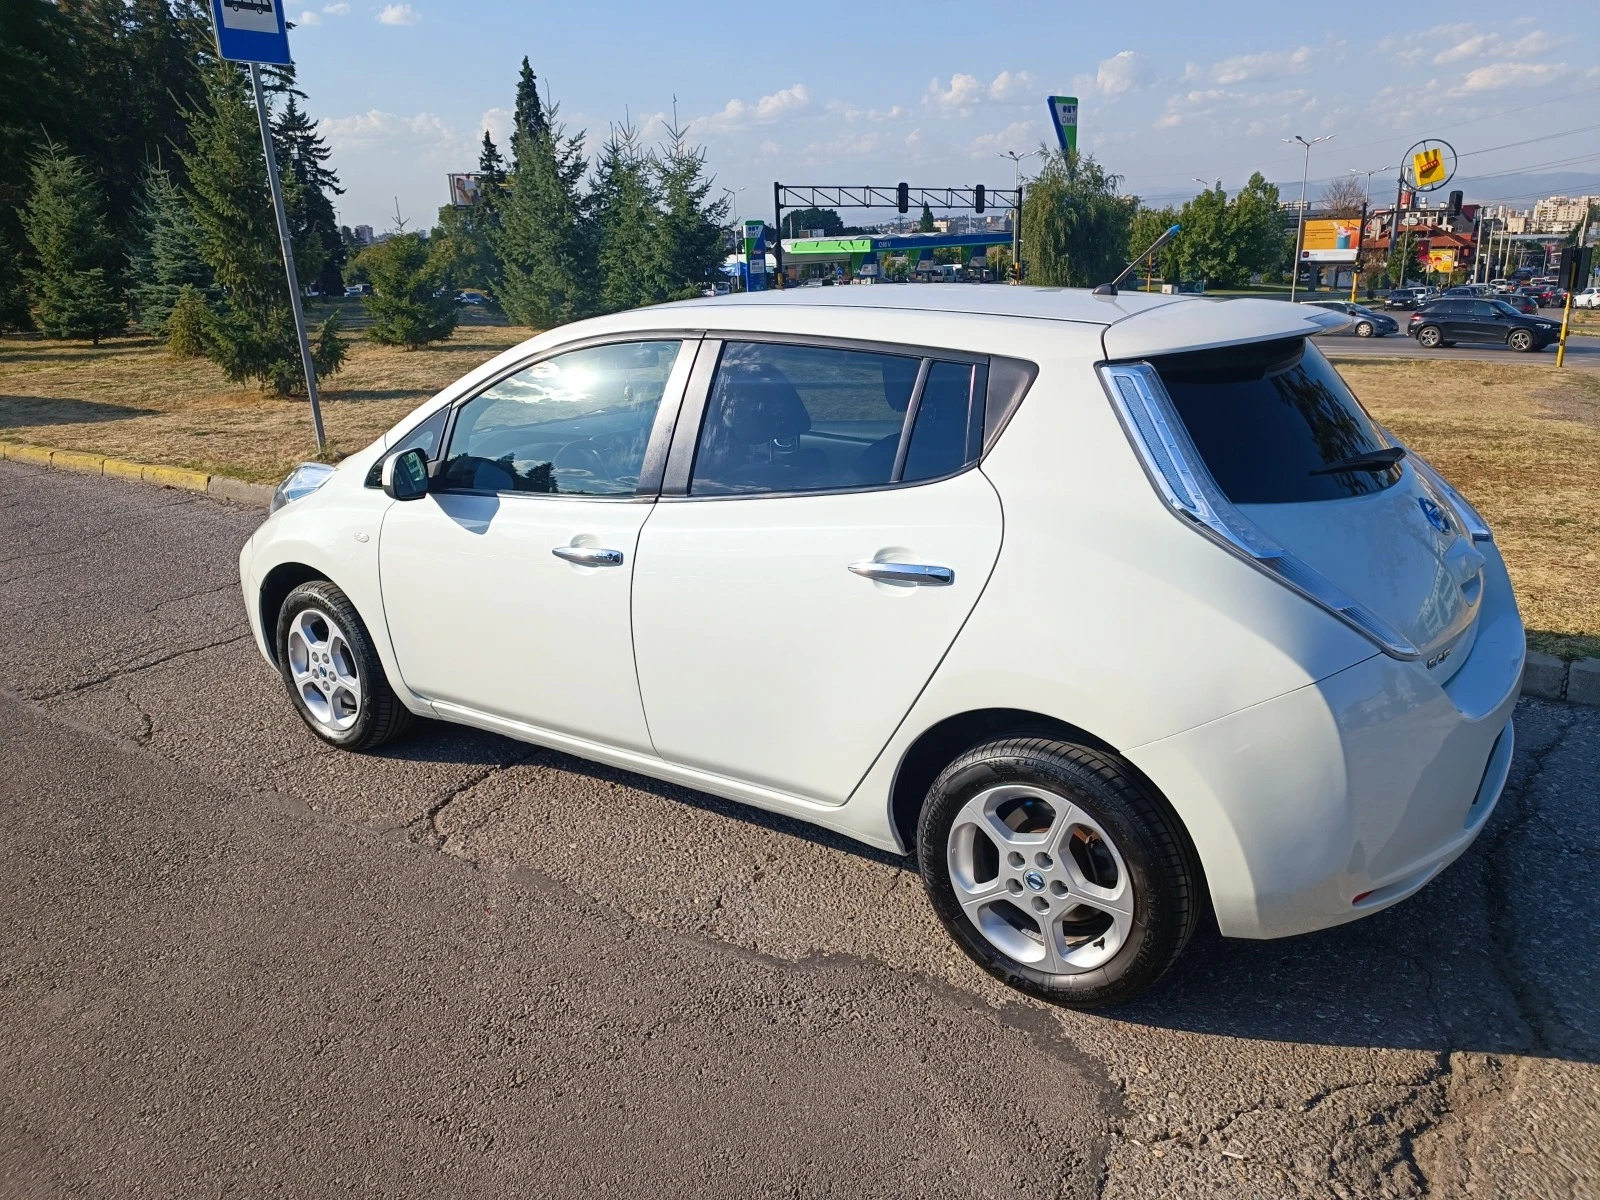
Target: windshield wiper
(1370, 460)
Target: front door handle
(589, 556)
(922, 574)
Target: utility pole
(1361, 234)
(1300, 223)
(1016, 213)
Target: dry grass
(129, 399)
(1522, 441)
(1523, 444)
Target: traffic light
(903, 197)
(977, 198)
(1455, 204)
(1580, 264)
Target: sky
(933, 93)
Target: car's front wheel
(1520, 340)
(1058, 870)
(1430, 337)
(1364, 329)
(333, 674)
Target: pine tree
(66, 225)
(544, 241)
(691, 228)
(188, 325)
(309, 185)
(628, 225)
(925, 225)
(14, 312)
(252, 333)
(404, 309)
(530, 116)
(166, 259)
(491, 170)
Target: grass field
(1522, 441)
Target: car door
(815, 551)
(1490, 322)
(507, 587)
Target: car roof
(1131, 323)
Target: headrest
(759, 404)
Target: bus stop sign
(251, 31)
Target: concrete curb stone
(1544, 675)
(222, 486)
(1583, 681)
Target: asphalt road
(1583, 351)
(233, 961)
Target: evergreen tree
(67, 227)
(14, 312)
(691, 228)
(252, 333)
(404, 309)
(531, 119)
(1074, 224)
(543, 241)
(166, 259)
(188, 324)
(34, 40)
(633, 267)
(491, 170)
(462, 245)
(309, 185)
(925, 225)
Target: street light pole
(1300, 222)
(1016, 213)
(1361, 234)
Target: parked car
(1404, 297)
(1363, 321)
(1523, 302)
(1111, 613)
(1447, 322)
(358, 289)
(476, 299)
(1588, 298)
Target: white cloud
(964, 91)
(1252, 68)
(737, 113)
(768, 148)
(336, 10)
(1496, 76)
(423, 134)
(1124, 72)
(498, 123)
(1019, 135)
(398, 14)
(307, 18)
(1013, 87)
(1221, 102)
(850, 112)
(850, 145)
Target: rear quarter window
(1268, 420)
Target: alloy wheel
(1040, 879)
(1521, 339)
(1429, 337)
(323, 668)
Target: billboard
(1442, 260)
(1064, 116)
(1331, 241)
(465, 190)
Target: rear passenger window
(1274, 422)
(783, 418)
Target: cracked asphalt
(232, 960)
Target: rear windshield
(1270, 418)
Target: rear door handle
(589, 556)
(923, 574)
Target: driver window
(576, 424)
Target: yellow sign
(1429, 167)
(1441, 260)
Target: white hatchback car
(1112, 608)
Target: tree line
(133, 192)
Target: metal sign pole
(288, 256)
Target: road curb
(1551, 678)
(224, 487)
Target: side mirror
(405, 476)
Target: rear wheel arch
(942, 743)
(275, 589)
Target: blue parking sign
(251, 31)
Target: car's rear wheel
(333, 674)
(1520, 340)
(1058, 870)
(1430, 337)
(1363, 328)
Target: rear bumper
(1342, 798)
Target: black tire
(1364, 329)
(1430, 337)
(1521, 340)
(381, 717)
(1168, 889)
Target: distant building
(362, 235)
(1560, 214)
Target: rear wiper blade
(1371, 460)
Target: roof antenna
(1110, 289)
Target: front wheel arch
(275, 589)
